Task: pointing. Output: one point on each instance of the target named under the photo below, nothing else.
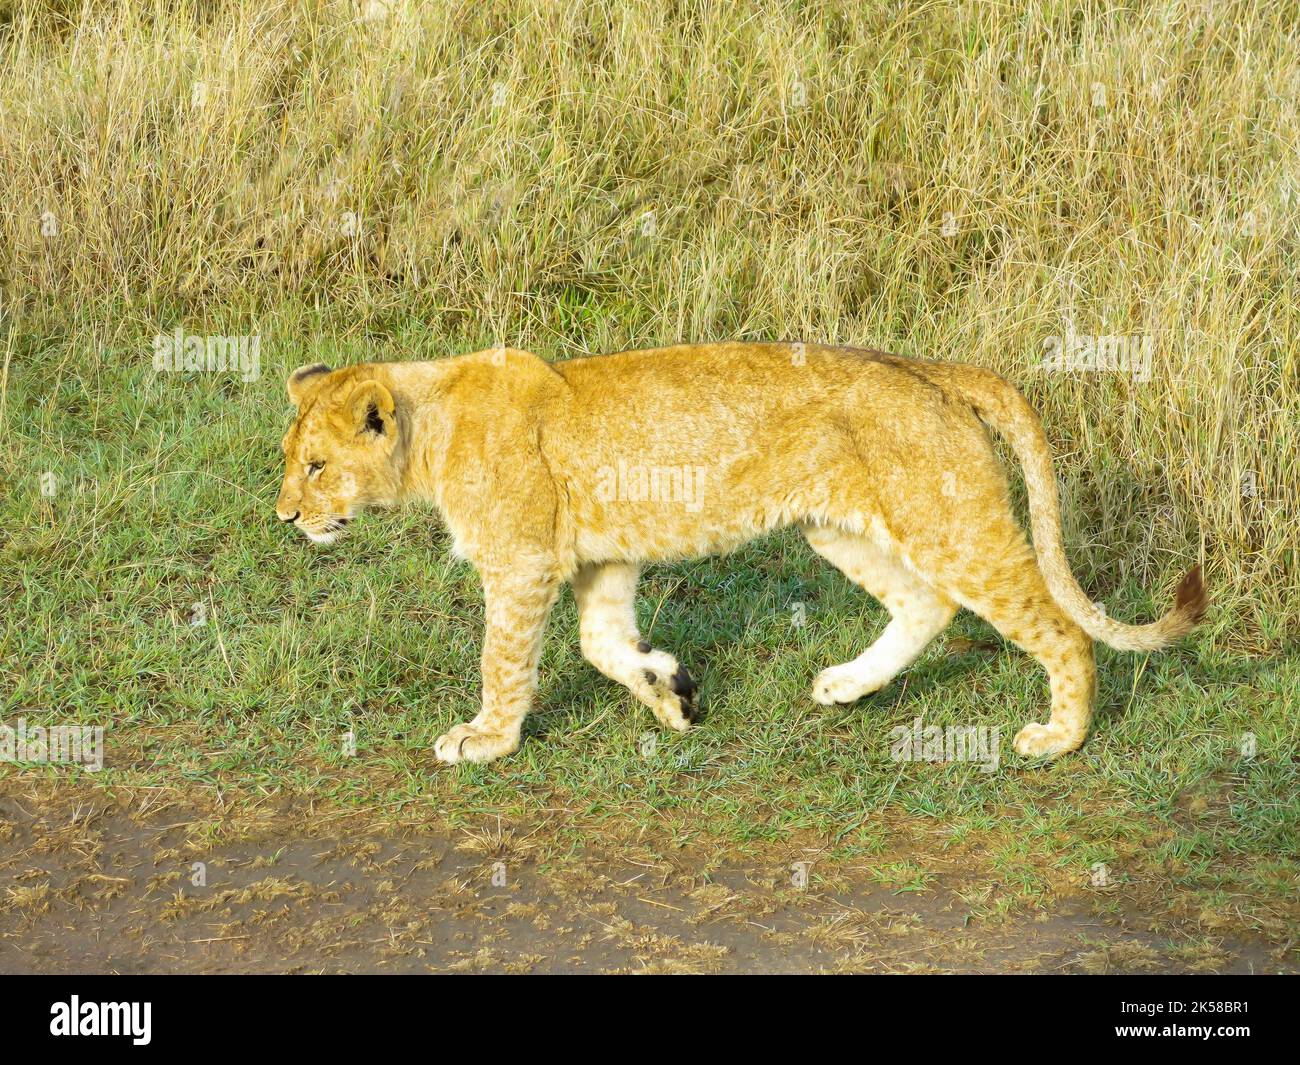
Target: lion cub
(582, 471)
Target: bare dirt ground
(103, 892)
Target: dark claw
(682, 684)
(643, 647)
(685, 688)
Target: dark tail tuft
(1191, 599)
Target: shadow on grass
(726, 608)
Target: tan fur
(584, 470)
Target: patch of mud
(104, 893)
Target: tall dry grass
(951, 180)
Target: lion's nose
(280, 515)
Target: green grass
(199, 161)
(164, 501)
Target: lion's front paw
(470, 743)
(1043, 741)
(674, 697)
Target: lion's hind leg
(918, 614)
(1006, 588)
(978, 556)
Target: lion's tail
(1001, 406)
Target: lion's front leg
(516, 607)
(611, 642)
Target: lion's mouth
(326, 531)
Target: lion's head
(339, 453)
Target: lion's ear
(370, 408)
(302, 380)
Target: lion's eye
(314, 468)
